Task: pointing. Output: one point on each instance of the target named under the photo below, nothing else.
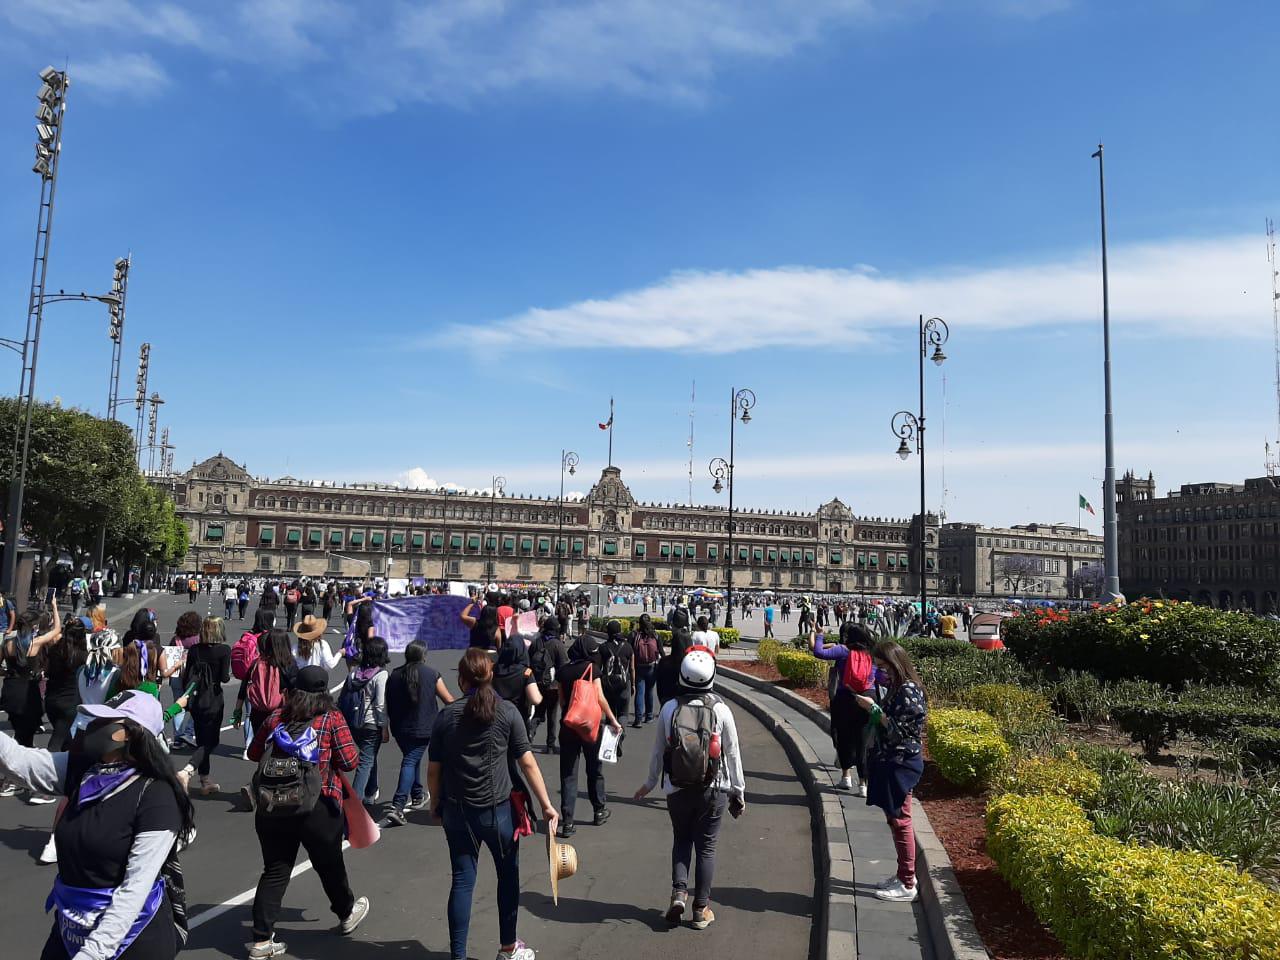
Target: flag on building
(606, 425)
(1086, 505)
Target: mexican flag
(1086, 505)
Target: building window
(357, 538)
(264, 561)
(266, 534)
(611, 548)
(213, 532)
(335, 538)
(455, 542)
(651, 573)
(335, 565)
(526, 545)
(677, 575)
(473, 542)
(455, 568)
(415, 567)
(508, 544)
(544, 545)
(417, 540)
(293, 537)
(713, 552)
(291, 563)
(702, 575)
(376, 540)
(578, 546)
(315, 537)
(526, 568)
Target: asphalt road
(763, 895)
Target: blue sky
(396, 240)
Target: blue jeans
(368, 742)
(410, 770)
(646, 684)
(466, 829)
(183, 724)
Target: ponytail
(475, 672)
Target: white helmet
(698, 669)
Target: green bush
(664, 638)
(1261, 745)
(1080, 696)
(1025, 716)
(728, 635)
(937, 647)
(945, 678)
(1064, 775)
(966, 745)
(1105, 761)
(1103, 898)
(802, 669)
(1150, 723)
(1170, 643)
(767, 651)
(1156, 721)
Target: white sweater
(729, 777)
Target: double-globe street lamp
(496, 486)
(740, 404)
(908, 426)
(568, 461)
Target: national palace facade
(249, 525)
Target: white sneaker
(521, 952)
(8, 789)
(846, 783)
(862, 789)
(36, 799)
(887, 882)
(50, 852)
(898, 892)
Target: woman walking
(854, 676)
(475, 743)
(311, 729)
(584, 667)
(310, 648)
(99, 677)
(412, 692)
(363, 702)
(186, 636)
(20, 694)
(896, 761)
(666, 678)
(117, 838)
(208, 667)
(644, 641)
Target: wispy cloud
(373, 58)
(130, 74)
(1180, 287)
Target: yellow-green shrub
(767, 650)
(966, 745)
(1106, 899)
(802, 668)
(1065, 776)
(1009, 704)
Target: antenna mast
(1272, 463)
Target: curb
(951, 927)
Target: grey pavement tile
(875, 945)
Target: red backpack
(244, 655)
(293, 597)
(264, 687)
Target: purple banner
(432, 619)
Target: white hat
(698, 669)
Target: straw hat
(562, 862)
(310, 627)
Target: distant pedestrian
(644, 641)
(583, 671)
(851, 662)
(412, 692)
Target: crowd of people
(118, 769)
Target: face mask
(100, 741)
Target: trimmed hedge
(1007, 702)
(1155, 722)
(966, 745)
(1261, 745)
(802, 668)
(946, 678)
(937, 647)
(767, 651)
(1059, 776)
(1106, 899)
(1170, 643)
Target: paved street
(763, 892)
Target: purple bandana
(306, 746)
(101, 781)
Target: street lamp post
(49, 116)
(568, 461)
(740, 404)
(906, 426)
(496, 487)
(1110, 529)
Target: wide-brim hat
(310, 627)
(562, 863)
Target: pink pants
(904, 839)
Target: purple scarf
(305, 746)
(79, 909)
(102, 781)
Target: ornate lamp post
(740, 404)
(497, 486)
(568, 461)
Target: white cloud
(372, 58)
(1212, 287)
(416, 478)
(130, 74)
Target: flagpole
(611, 431)
(1110, 532)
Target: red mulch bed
(1007, 926)
(764, 671)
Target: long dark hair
(188, 625)
(263, 620)
(71, 650)
(855, 636)
(303, 707)
(414, 654)
(899, 663)
(273, 646)
(475, 673)
(374, 654)
(645, 627)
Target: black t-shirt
(474, 757)
(409, 719)
(94, 842)
(218, 657)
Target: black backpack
(202, 698)
(617, 672)
(692, 759)
(285, 785)
(541, 661)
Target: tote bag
(583, 713)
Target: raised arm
(40, 770)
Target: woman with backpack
(271, 675)
(118, 888)
(697, 759)
(475, 745)
(99, 677)
(244, 654)
(307, 728)
(363, 702)
(547, 655)
(185, 636)
(619, 670)
(207, 668)
(585, 707)
(20, 694)
(412, 692)
(292, 597)
(896, 760)
(644, 641)
(851, 663)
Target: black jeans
(618, 703)
(208, 728)
(848, 732)
(61, 713)
(571, 747)
(320, 834)
(546, 711)
(695, 825)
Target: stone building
(1214, 543)
(1029, 560)
(244, 524)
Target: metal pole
(1110, 529)
(31, 351)
(733, 416)
(560, 530)
(924, 581)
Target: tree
(1017, 571)
(1088, 580)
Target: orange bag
(582, 716)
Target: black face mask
(99, 740)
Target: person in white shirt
(229, 597)
(309, 646)
(704, 636)
(700, 784)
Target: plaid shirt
(337, 749)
